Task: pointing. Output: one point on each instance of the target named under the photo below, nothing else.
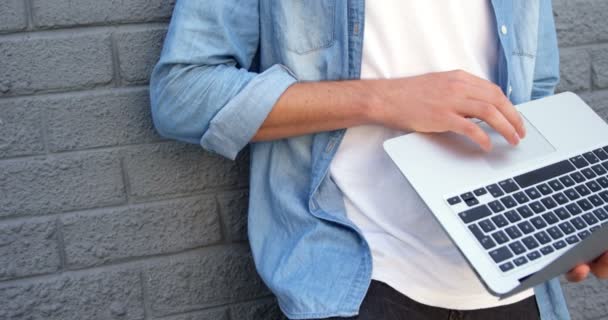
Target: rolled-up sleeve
(201, 90)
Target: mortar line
(125, 179)
(60, 244)
(115, 60)
(29, 15)
(144, 294)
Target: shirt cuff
(238, 121)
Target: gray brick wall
(100, 218)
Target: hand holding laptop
(599, 268)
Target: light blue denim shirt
(224, 65)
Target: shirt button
(503, 29)
(509, 90)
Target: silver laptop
(520, 215)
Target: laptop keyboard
(521, 219)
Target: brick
(138, 52)
(111, 118)
(257, 310)
(587, 300)
(113, 234)
(599, 67)
(98, 294)
(28, 248)
(598, 100)
(60, 183)
(59, 13)
(20, 128)
(170, 168)
(581, 21)
(12, 15)
(202, 279)
(233, 207)
(63, 62)
(575, 70)
(220, 314)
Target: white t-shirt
(410, 251)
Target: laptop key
(588, 173)
(578, 177)
(496, 206)
(590, 218)
(556, 185)
(537, 207)
(591, 158)
(472, 202)
(596, 200)
(572, 194)
(562, 213)
(601, 214)
(530, 242)
(599, 170)
(559, 245)
(545, 173)
(525, 227)
(500, 237)
(604, 195)
(582, 190)
(605, 165)
(533, 193)
(454, 200)
(513, 232)
(486, 242)
(517, 247)
(538, 222)
(550, 218)
(579, 161)
(573, 209)
(495, 190)
(466, 196)
(572, 239)
(578, 223)
(475, 214)
(585, 204)
(506, 267)
(546, 250)
(533, 255)
(594, 229)
(603, 181)
(544, 189)
(512, 216)
(567, 181)
(508, 202)
(555, 233)
(521, 197)
(542, 237)
(601, 154)
(501, 254)
(500, 221)
(593, 186)
(549, 202)
(487, 225)
(480, 192)
(584, 234)
(560, 198)
(520, 261)
(566, 227)
(508, 186)
(525, 212)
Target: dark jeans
(385, 303)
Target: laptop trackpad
(534, 145)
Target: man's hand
(440, 102)
(599, 267)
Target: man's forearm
(312, 107)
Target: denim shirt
(224, 65)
